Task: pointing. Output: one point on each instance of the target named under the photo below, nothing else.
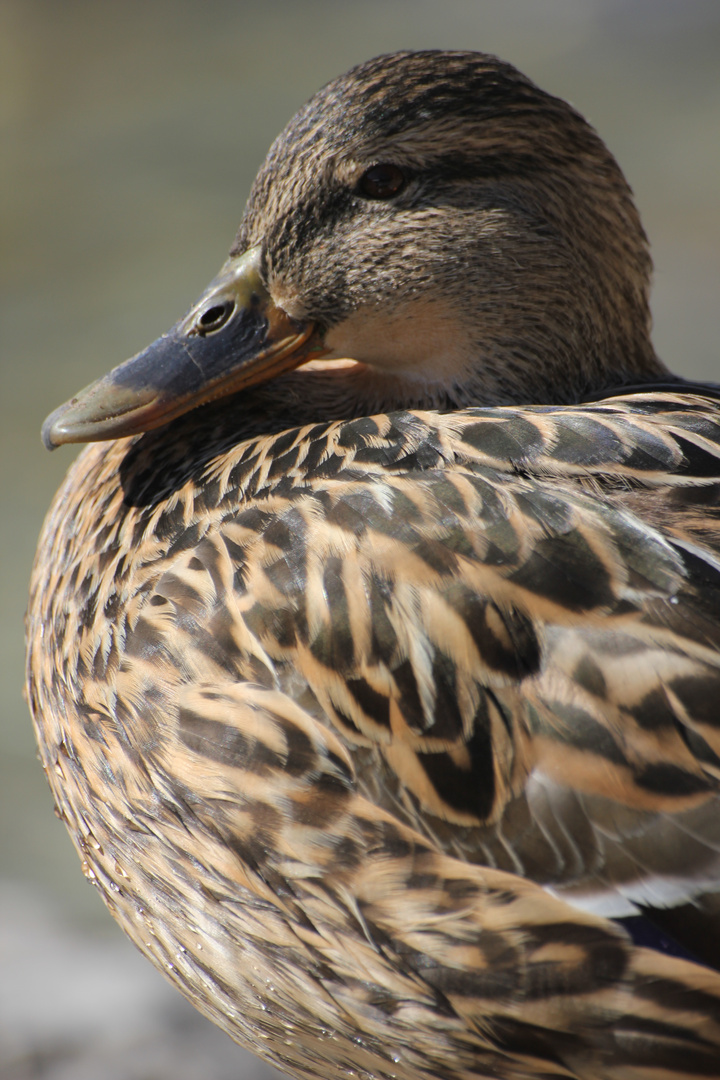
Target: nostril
(213, 318)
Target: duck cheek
(421, 339)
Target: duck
(374, 638)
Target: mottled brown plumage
(368, 692)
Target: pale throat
(421, 341)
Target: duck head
(454, 233)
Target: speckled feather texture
(371, 696)
(324, 715)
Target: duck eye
(382, 181)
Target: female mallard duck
(372, 694)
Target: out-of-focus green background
(130, 133)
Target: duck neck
(343, 389)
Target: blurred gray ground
(129, 135)
(78, 1006)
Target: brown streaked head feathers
(515, 225)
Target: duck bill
(234, 337)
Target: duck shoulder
(481, 605)
(347, 653)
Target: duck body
(367, 723)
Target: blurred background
(130, 135)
